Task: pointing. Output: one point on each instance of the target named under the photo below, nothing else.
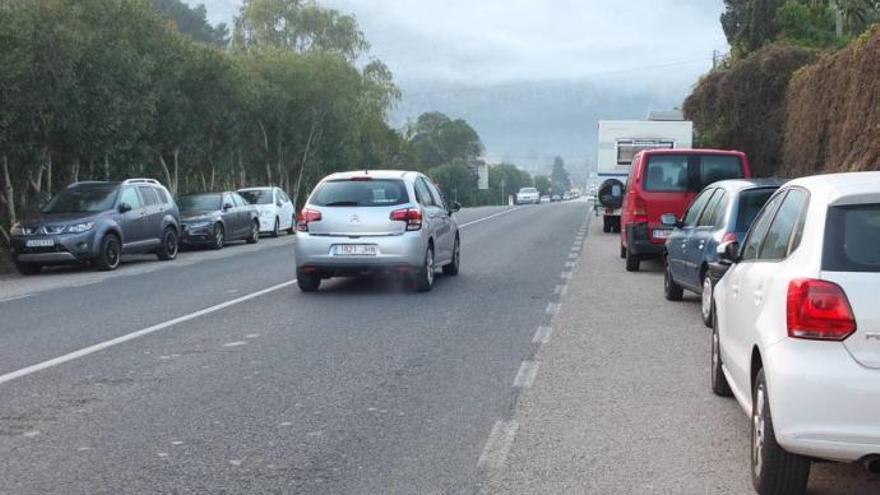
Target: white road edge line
(505, 212)
(525, 377)
(498, 445)
(29, 370)
(543, 334)
(16, 298)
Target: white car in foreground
(796, 334)
(275, 208)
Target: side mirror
(669, 220)
(226, 206)
(124, 207)
(728, 252)
(454, 207)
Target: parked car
(555, 198)
(97, 222)
(213, 219)
(376, 221)
(666, 181)
(566, 197)
(544, 199)
(275, 208)
(796, 337)
(528, 196)
(722, 212)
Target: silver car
(376, 221)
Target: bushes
(833, 112)
(743, 107)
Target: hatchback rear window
(360, 193)
(690, 173)
(852, 234)
(750, 203)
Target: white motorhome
(621, 140)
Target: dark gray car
(213, 219)
(96, 222)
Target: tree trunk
(106, 166)
(839, 18)
(165, 170)
(212, 178)
(242, 173)
(176, 169)
(8, 197)
(312, 134)
(48, 171)
(74, 175)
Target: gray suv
(96, 222)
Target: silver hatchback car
(376, 221)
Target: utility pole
(503, 197)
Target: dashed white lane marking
(573, 256)
(498, 445)
(235, 344)
(31, 434)
(552, 308)
(543, 334)
(16, 298)
(565, 275)
(85, 351)
(570, 264)
(474, 222)
(525, 377)
(564, 291)
(558, 289)
(235, 462)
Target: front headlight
(79, 228)
(16, 229)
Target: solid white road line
(8, 377)
(474, 222)
(498, 445)
(542, 336)
(525, 377)
(552, 308)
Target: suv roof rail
(80, 182)
(141, 181)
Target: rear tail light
(412, 217)
(305, 217)
(639, 210)
(729, 237)
(818, 310)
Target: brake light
(818, 310)
(729, 237)
(639, 210)
(305, 217)
(412, 217)
(361, 179)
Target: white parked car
(528, 196)
(796, 335)
(276, 210)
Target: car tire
(424, 277)
(720, 387)
(308, 282)
(707, 302)
(774, 470)
(622, 252)
(109, 253)
(633, 261)
(254, 236)
(292, 229)
(169, 246)
(453, 267)
(606, 225)
(276, 230)
(28, 268)
(219, 236)
(671, 290)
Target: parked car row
(97, 222)
(531, 196)
(785, 273)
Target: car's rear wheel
(671, 290)
(254, 236)
(622, 252)
(706, 301)
(606, 225)
(168, 248)
(308, 281)
(720, 386)
(632, 261)
(28, 268)
(292, 229)
(276, 230)
(109, 254)
(424, 278)
(774, 470)
(219, 236)
(453, 266)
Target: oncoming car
(528, 196)
(376, 221)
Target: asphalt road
(214, 374)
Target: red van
(666, 181)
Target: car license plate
(662, 234)
(355, 250)
(31, 243)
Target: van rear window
(689, 173)
(852, 234)
(360, 193)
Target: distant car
(566, 197)
(721, 212)
(796, 338)
(528, 196)
(545, 199)
(97, 222)
(666, 181)
(275, 208)
(555, 198)
(214, 219)
(376, 221)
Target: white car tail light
(818, 310)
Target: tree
(543, 184)
(750, 24)
(436, 140)
(457, 181)
(192, 21)
(559, 177)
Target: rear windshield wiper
(342, 203)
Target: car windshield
(852, 234)
(528, 190)
(85, 199)
(360, 193)
(750, 203)
(199, 202)
(257, 196)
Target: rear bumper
(639, 241)
(404, 250)
(824, 403)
